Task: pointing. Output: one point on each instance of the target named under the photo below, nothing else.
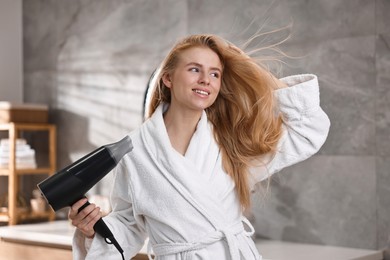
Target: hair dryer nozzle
(120, 148)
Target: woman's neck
(180, 126)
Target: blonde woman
(219, 123)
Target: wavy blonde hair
(243, 116)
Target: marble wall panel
(103, 66)
(382, 16)
(383, 191)
(318, 21)
(102, 55)
(314, 20)
(239, 22)
(234, 20)
(383, 123)
(330, 40)
(39, 86)
(383, 95)
(346, 71)
(324, 200)
(40, 46)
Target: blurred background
(90, 61)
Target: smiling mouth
(201, 92)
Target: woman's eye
(194, 69)
(215, 74)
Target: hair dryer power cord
(102, 229)
(112, 241)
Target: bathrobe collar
(189, 174)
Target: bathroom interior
(75, 74)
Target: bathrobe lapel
(189, 174)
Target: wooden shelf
(26, 215)
(30, 215)
(47, 170)
(13, 215)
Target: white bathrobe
(187, 205)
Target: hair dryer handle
(102, 229)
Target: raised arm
(305, 125)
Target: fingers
(86, 218)
(86, 224)
(75, 208)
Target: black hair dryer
(72, 183)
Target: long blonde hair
(243, 116)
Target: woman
(219, 123)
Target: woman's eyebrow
(200, 65)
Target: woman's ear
(166, 78)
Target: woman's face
(196, 80)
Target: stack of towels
(25, 155)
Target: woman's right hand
(86, 218)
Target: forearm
(305, 126)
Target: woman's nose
(204, 79)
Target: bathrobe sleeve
(305, 126)
(127, 228)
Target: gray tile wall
(91, 60)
